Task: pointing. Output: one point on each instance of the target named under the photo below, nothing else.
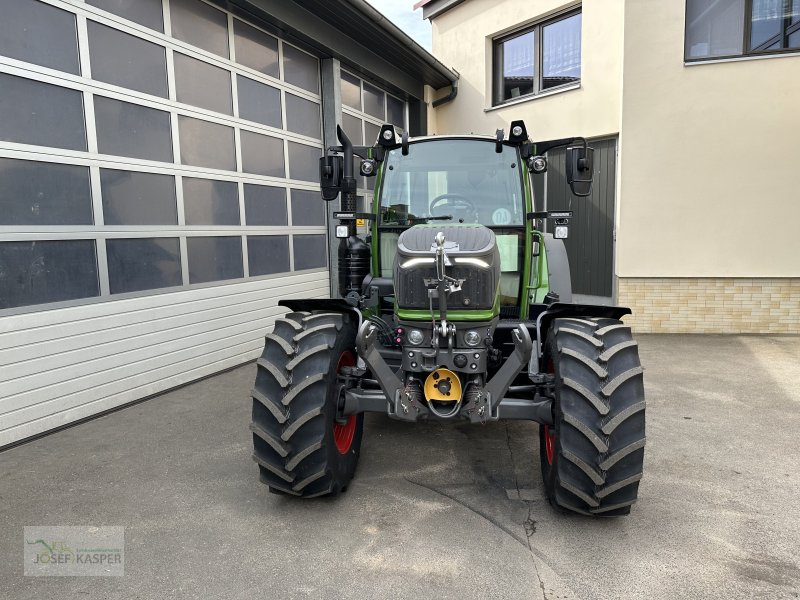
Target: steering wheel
(458, 202)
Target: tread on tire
(294, 406)
(598, 435)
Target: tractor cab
(455, 181)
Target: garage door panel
(189, 370)
(61, 389)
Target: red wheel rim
(549, 444)
(549, 438)
(343, 434)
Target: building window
(125, 60)
(143, 264)
(542, 57)
(36, 272)
(741, 28)
(27, 23)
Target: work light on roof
(387, 136)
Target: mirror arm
(547, 145)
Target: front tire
(592, 456)
(300, 446)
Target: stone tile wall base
(711, 305)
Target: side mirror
(580, 167)
(330, 176)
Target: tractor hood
(473, 259)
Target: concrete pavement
(435, 511)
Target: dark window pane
(143, 264)
(373, 102)
(714, 28)
(26, 24)
(210, 202)
(125, 60)
(126, 129)
(302, 116)
(767, 21)
(304, 162)
(352, 127)
(310, 252)
(300, 69)
(134, 198)
(794, 14)
(518, 66)
(262, 154)
(561, 52)
(199, 24)
(144, 12)
(396, 114)
(205, 144)
(255, 49)
(39, 193)
(259, 102)
(351, 91)
(214, 258)
(38, 113)
(794, 40)
(371, 132)
(201, 84)
(307, 208)
(267, 254)
(264, 205)
(47, 271)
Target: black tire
(598, 434)
(294, 407)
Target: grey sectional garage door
(158, 195)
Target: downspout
(451, 96)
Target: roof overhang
(433, 8)
(357, 34)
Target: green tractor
(456, 307)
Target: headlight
(367, 167)
(415, 337)
(537, 164)
(472, 338)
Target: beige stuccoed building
(694, 110)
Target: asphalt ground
(435, 511)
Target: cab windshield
(452, 181)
